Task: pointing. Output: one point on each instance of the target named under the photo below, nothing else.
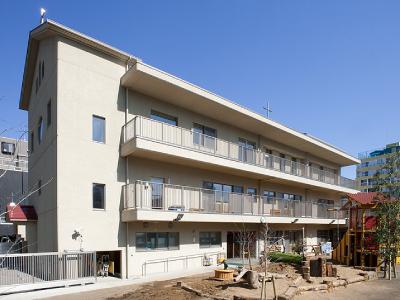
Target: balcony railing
(168, 197)
(13, 164)
(177, 136)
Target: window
(210, 239)
(326, 202)
(291, 196)
(31, 142)
(238, 189)
(99, 129)
(40, 73)
(163, 118)
(39, 187)
(205, 136)
(268, 151)
(7, 148)
(40, 130)
(98, 195)
(49, 113)
(269, 197)
(252, 191)
(157, 240)
(42, 69)
(323, 236)
(246, 150)
(222, 191)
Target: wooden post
(273, 285)
(362, 238)
(355, 239)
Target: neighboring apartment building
(147, 167)
(371, 162)
(13, 177)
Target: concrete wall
(142, 105)
(42, 161)
(189, 244)
(88, 84)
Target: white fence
(169, 197)
(21, 272)
(181, 137)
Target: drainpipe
(127, 175)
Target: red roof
(364, 198)
(21, 213)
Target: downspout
(127, 174)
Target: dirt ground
(169, 291)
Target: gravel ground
(370, 290)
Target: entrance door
(157, 188)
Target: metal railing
(185, 260)
(11, 164)
(177, 136)
(168, 197)
(19, 269)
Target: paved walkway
(372, 290)
(103, 283)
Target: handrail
(199, 142)
(184, 258)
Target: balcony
(145, 201)
(184, 139)
(11, 164)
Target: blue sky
(329, 68)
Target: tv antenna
(42, 15)
(268, 109)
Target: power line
(29, 194)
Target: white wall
(89, 85)
(42, 162)
(189, 244)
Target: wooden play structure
(357, 247)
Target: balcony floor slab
(134, 215)
(143, 147)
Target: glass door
(247, 150)
(157, 189)
(204, 136)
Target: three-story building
(159, 173)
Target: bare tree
(246, 239)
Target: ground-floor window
(157, 241)
(210, 239)
(323, 236)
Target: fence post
(182, 144)
(200, 199)
(33, 268)
(242, 205)
(182, 196)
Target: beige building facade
(157, 172)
